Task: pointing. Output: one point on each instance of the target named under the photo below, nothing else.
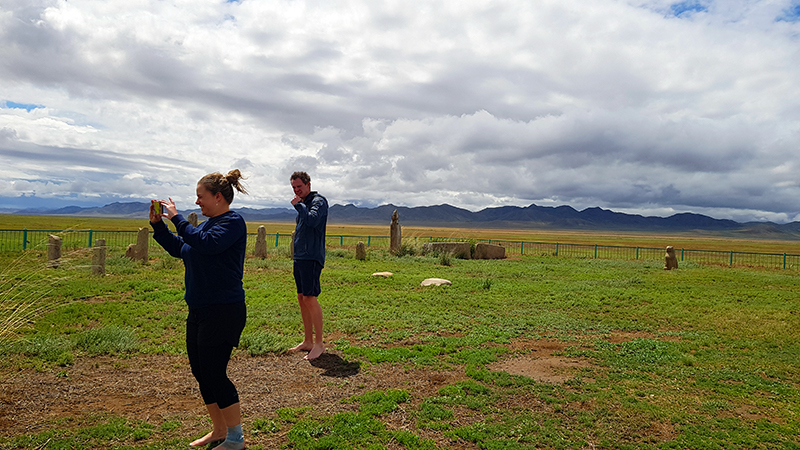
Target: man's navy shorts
(306, 277)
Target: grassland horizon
(701, 240)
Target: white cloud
(628, 105)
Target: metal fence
(20, 240)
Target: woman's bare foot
(208, 439)
(315, 352)
(302, 347)
(228, 445)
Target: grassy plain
(695, 240)
(703, 357)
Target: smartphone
(156, 207)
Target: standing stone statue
(53, 251)
(395, 235)
(142, 245)
(99, 257)
(670, 260)
(361, 251)
(261, 242)
(192, 218)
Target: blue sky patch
(687, 7)
(791, 14)
(26, 106)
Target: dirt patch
(155, 388)
(545, 369)
(537, 361)
(159, 388)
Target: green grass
(355, 430)
(711, 342)
(106, 432)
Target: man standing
(309, 259)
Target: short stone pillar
(670, 260)
(261, 242)
(142, 245)
(192, 218)
(461, 250)
(395, 234)
(361, 251)
(99, 257)
(53, 251)
(489, 251)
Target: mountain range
(533, 216)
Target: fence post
(341, 240)
(637, 252)
(369, 239)
(556, 248)
(277, 235)
(521, 247)
(90, 238)
(681, 254)
(731, 258)
(595, 251)
(24, 238)
(784, 260)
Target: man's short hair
(302, 176)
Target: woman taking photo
(213, 254)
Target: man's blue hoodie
(309, 233)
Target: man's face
(301, 189)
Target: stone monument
(53, 251)
(142, 245)
(99, 257)
(670, 260)
(261, 242)
(489, 251)
(361, 251)
(461, 250)
(395, 234)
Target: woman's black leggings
(211, 334)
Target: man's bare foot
(302, 347)
(208, 439)
(315, 352)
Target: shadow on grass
(335, 366)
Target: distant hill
(533, 216)
(138, 210)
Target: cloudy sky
(642, 106)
